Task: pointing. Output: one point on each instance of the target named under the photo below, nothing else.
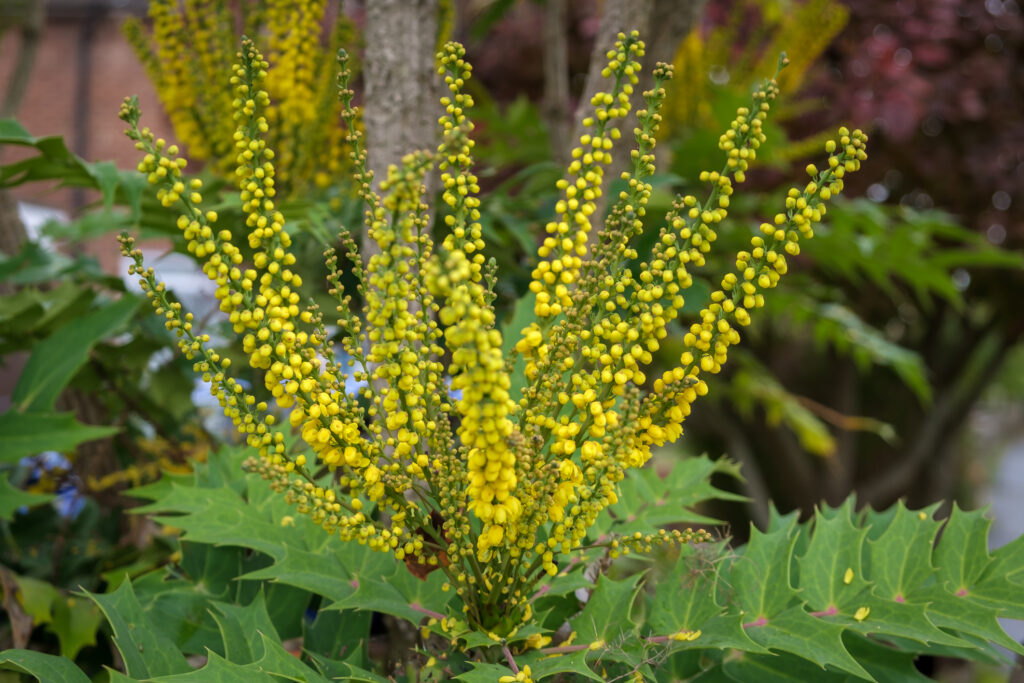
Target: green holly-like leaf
(885, 664)
(145, 650)
(178, 610)
(544, 665)
(12, 499)
(830, 570)
(962, 553)
(775, 669)
(322, 572)
(816, 640)
(649, 499)
(484, 673)
(397, 592)
(607, 614)
(218, 516)
(218, 670)
(44, 667)
(832, 607)
(1008, 562)
(56, 359)
(338, 634)
(684, 599)
(27, 434)
(890, 618)
(761, 575)
(279, 662)
(963, 614)
(899, 559)
(75, 621)
(37, 598)
(240, 628)
(1001, 584)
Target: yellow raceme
(436, 459)
(192, 45)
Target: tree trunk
(555, 107)
(30, 18)
(401, 109)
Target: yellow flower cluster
(478, 368)
(757, 271)
(565, 246)
(190, 50)
(734, 57)
(434, 459)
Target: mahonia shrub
(453, 456)
(192, 45)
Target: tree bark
(31, 19)
(555, 106)
(401, 110)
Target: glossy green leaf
(279, 662)
(607, 615)
(573, 663)
(218, 670)
(321, 572)
(146, 652)
(962, 552)
(37, 598)
(75, 622)
(761, 575)
(884, 663)
(12, 499)
(650, 498)
(899, 560)
(777, 669)
(27, 434)
(886, 618)
(55, 360)
(816, 640)
(830, 572)
(484, 673)
(48, 668)
(54, 161)
(397, 592)
(684, 599)
(969, 617)
(240, 628)
(336, 634)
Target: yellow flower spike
(862, 613)
(561, 259)
(195, 42)
(708, 341)
(460, 185)
(848, 576)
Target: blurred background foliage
(902, 317)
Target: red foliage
(941, 83)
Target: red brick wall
(49, 106)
